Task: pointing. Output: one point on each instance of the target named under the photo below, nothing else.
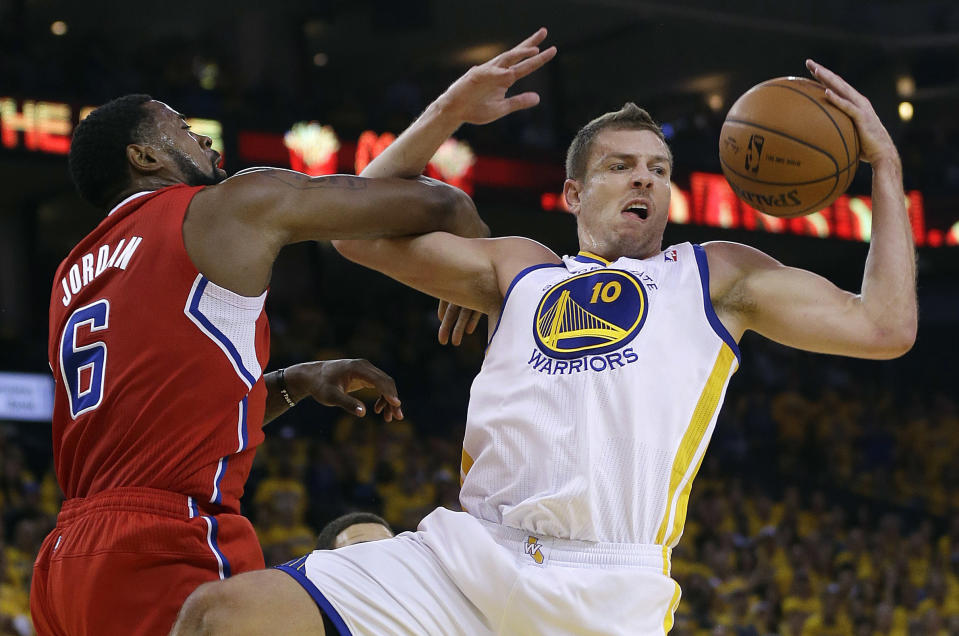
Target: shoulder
(235, 197)
(249, 186)
(513, 254)
(731, 261)
(522, 249)
(733, 273)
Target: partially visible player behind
(158, 341)
(353, 528)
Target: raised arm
(456, 270)
(794, 307)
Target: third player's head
(353, 528)
(618, 171)
(135, 143)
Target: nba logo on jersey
(671, 255)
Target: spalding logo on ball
(787, 151)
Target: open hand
(330, 382)
(479, 96)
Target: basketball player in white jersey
(597, 398)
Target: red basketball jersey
(158, 370)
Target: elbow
(906, 338)
(898, 342)
(460, 214)
(347, 249)
(201, 614)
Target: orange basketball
(785, 150)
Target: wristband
(281, 381)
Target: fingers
(529, 44)
(512, 56)
(335, 396)
(835, 84)
(521, 101)
(536, 38)
(382, 407)
(441, 309)
(462, 320)
(389, 412)
(473, 322)
(361, 374)
(875, 142)
(527, 66)
(457, 321)
(364, 374)
(447, 322)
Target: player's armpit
(800, 309)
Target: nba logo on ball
(785, 150)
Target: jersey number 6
(83, 368)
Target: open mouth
(639, 211)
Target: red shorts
(123, 561)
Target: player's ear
(143, 158)
(571, 194)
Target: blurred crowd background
(827, 503)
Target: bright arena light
(715, 101)
(905, 111)
(905, 86)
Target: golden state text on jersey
(585, 322)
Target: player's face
(192, 155)
(622, 203)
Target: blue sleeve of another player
(297, 569)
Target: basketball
(785, 150)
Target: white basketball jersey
(597, 398)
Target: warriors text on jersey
(158, 370)
(597, 399)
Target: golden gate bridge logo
(590, 313)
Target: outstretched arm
(234, 230)
(469, 272)
(798, 308)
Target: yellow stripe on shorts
(673, 604)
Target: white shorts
(459, 575)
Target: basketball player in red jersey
(158, 340)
